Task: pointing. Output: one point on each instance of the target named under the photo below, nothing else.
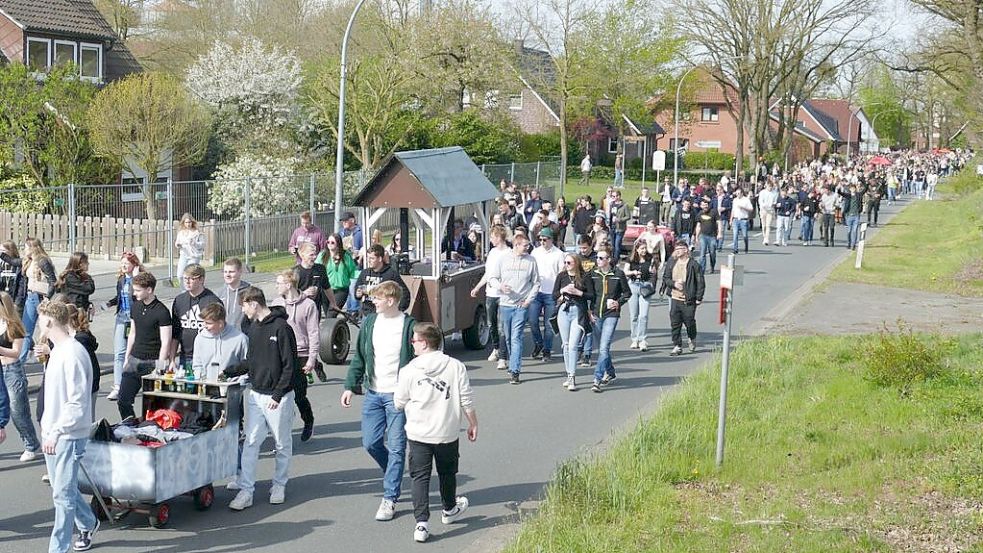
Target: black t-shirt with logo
(186, 318)
(147, 322)
(708, 222)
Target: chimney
(518, 45)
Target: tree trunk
(564, 147)
(739, 147)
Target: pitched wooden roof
(78, 18)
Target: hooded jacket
(78, 288)
(370, 278)
(272, 356)
(434, 391)
(303, 319)
(228, 348)
(230, 299)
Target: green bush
(708, 160)
(534, 147)
(900, 359)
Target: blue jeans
(852, 230)
(604, 329)
(740, 228)
(617, 238)
(70, 508)
(708, 248)
(379, 414)
(638, 308)
(513, 321)
(20, 406)
(619, 178)
(543, 304)
(119, 346)
(30, 323)
(571, 332)
(807, 229)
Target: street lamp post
(339, 171)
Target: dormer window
(90, 62)
(39, 54)
(44, 54)
(64, 52)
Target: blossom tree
(273, 187)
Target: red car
(634, 231)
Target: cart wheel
(160, 515)
(97, 508)
(476, 337)
(335, 341)
(204, 497)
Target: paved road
(524, 432)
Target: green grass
(269, 262)
(818, 459)
(934, 246)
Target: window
(515, 102)
(612, 145)
(491, 99)
(64, 52)
(710, 113)
(90, 62)
(39, 54)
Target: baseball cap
(546, 233)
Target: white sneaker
(387, 510)
(29, 456)
(494, 355)
(633, 345)
(277, 494)
(502, 365)
(643, 346)
(243, 500)
(422, 532)
(113, 394)
(566, 383)
(573, 384)
(233, 484)
(457, 512)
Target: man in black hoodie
(684, 281)
(269, 403)
(375, 274)
(186, 318)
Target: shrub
(901, 359)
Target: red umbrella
(880, 160)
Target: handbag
(646, 289)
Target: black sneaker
(308, 430)
(513, 378)
(596, 387)
(608, 378)
(547, 357)
(537, 352)
(584, 362)
(319, 370)
(84, 541)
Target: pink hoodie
(302, 317)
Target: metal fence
(242, 218)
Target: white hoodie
(67, 393)
(435, 391)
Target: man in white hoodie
(65, 427)
(434, 391)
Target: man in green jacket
(376, 363)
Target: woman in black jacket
(12, 280)
(129, 267)
(572, 292)
(76, 283)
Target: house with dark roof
(852, 124)
(44, 33)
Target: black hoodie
(272, 358)
(372, 278)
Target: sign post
(726, 312)
(659, 164)
(861, 240)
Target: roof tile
(70, 17)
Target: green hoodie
(362, 366)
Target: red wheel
(160, 515)
(204, 497)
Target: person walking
(271, 365)
(339, 264)
(549, 263)
(516, 276)
(307, 232)
(500, 349)
(931, 181)
(234, 285)
(573, 292)
(148, 344)
(641, 269)
(75, 281)
(41, 279)
(12, 279)
(741, 210)
(682, 278)
(585, 168)
(852, 205)
(312, 280)
(709, 229)
(302, 318)
(190, 242)
(563, 216)
(619, 170)
(434, 392)
(684, 221)
(785, 208)
(129, 267)
(12, 340)
(808, 208)
(65, 426)
(375, 273)
(219, 345)
(618, 216)
(383, 348)
(186, 318)
(827, 207)
(611, 291)
(767, 199)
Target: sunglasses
(544, 239)
(602, 257)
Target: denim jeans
(892, 193)
(497, 338)
(119, 346)
(783, 232)
(708, 248)
(260, 420)
(70, 508)
(740, 228)
(807, 229)
(543, 304)
(20, 406)
(30, 322)
(616, 239)
(604, 330)
(513, 321)
(571, 333)
(853, 230)
(384, 437)
(638, 309)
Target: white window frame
(512, 105)
(613, 144)
(90, 46)
(27, 54)
(710, 114)
(75, 51)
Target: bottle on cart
(169, 380)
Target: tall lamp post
(339, 171)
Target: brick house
(529, 107)
(852, 124)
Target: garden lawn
(818, 459)
(935, 246)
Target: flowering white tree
(273, 187)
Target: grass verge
(934, 246)
(820, 458)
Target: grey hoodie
(228, 348)
(230, 298)
(434, 390)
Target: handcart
(128, 478)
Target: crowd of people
(563, 270)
